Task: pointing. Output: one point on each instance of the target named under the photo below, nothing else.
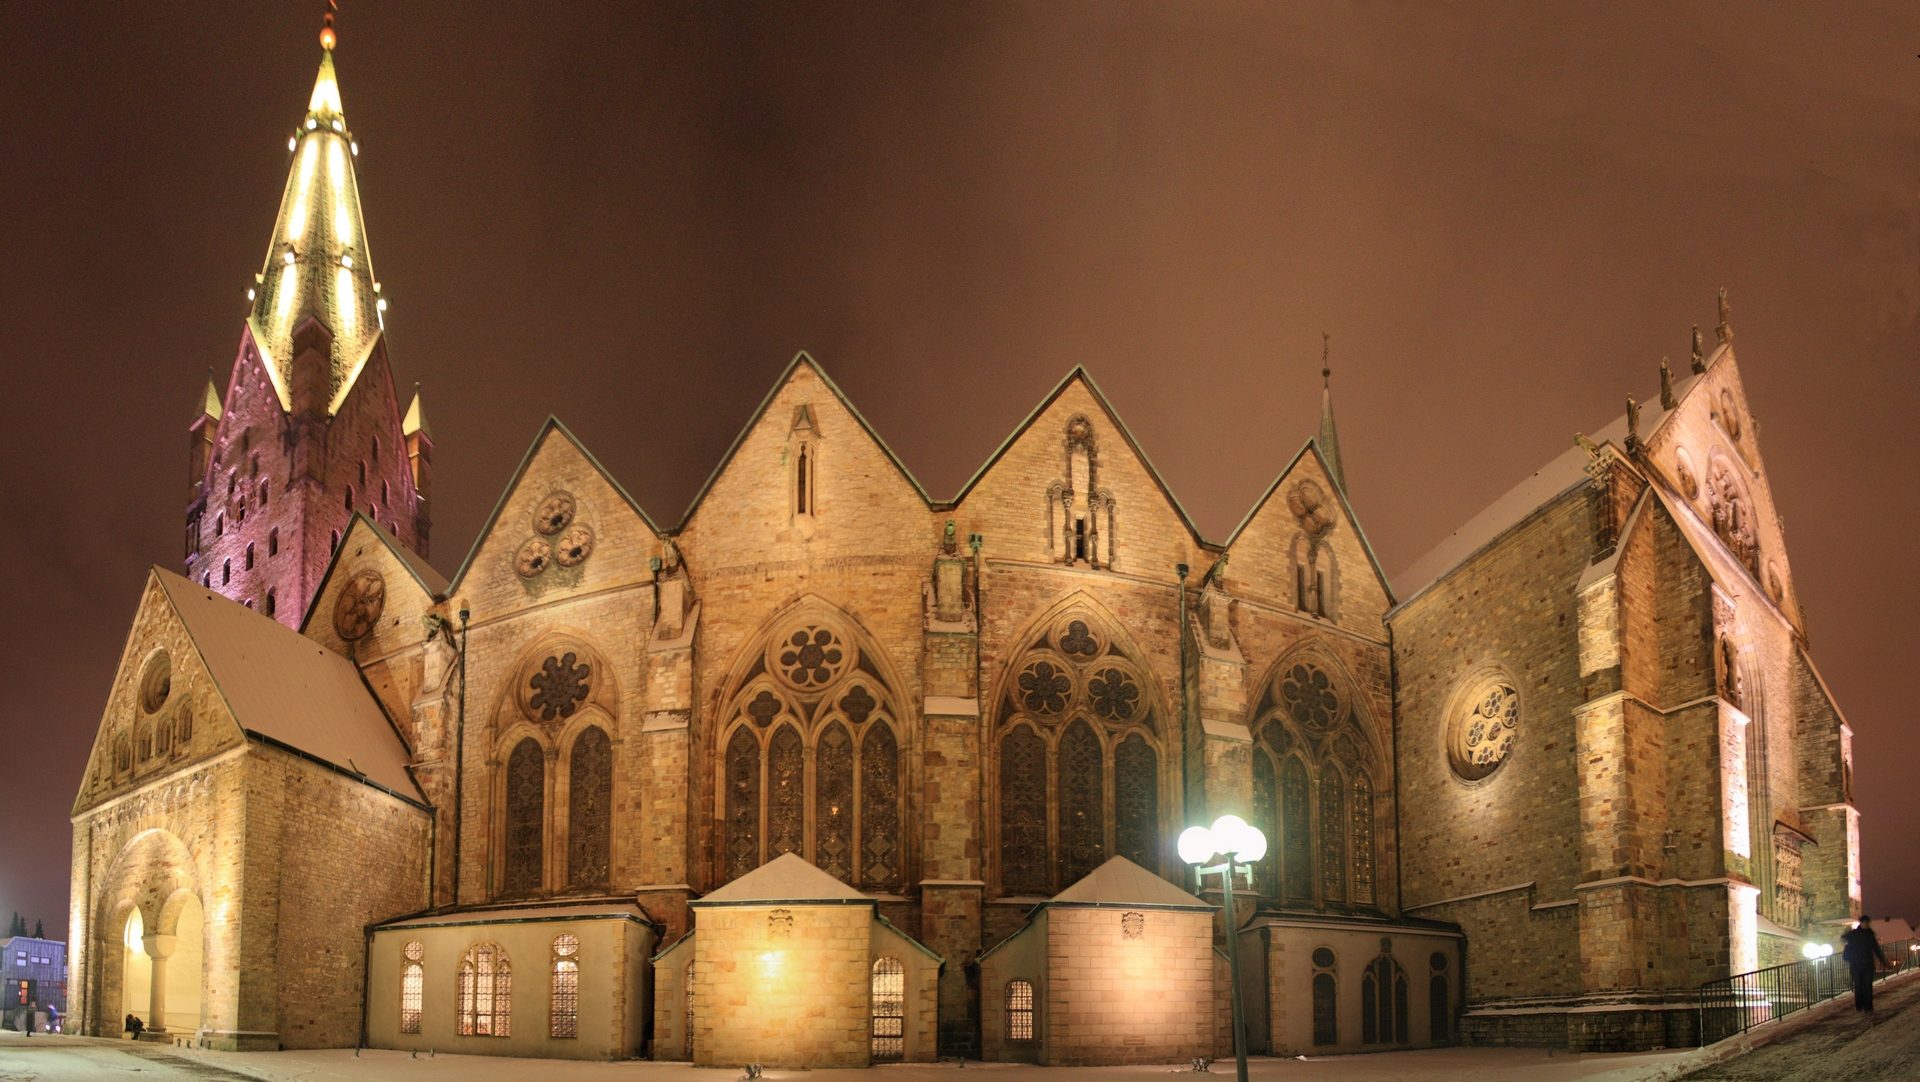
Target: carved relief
(1685, 475)
(1480, 735)
(358, 607)
(1308, 504)
(559, 687)
(559, 545)
(1731, 513)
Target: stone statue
(949, 540)
(1699, 363)
(1725, 330)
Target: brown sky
(631, 216)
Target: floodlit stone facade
(1587, 736)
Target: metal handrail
(1733, 1005)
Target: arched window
(1333, 835)
(1266, 813)
(1383, 1002)
(263, 493)
(220, 524)
(563, 1005)
(485, 992)
(333, 541)
(349, 497)
(226, 572)
(813, 759)
(1362, 840)
(589, 810)
(248, 561)
(272, 602)
(1296, 845)
(273, 541)
(363, 471)
(526, 807)
(1439, 1007)
(1020, 1011)
(889, 1010)
(413, 985)
(385, 492)
(1078, 761)
(375, 455)
(1326, 1010)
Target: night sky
(632, 216)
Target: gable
(1122, 882)
(785, 878)
(155, 725)
(1303, 520)
(858, 492)
(1705, 453)
(372, 606)
(1011, 498)
(562, 528)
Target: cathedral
(831, 772)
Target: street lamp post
(1224, 847)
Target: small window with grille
(564, 1017)
(1020, 1011)
(413, 984)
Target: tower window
(385, 492)
(376, 449)
(220, 524)
(802, 498)
(1080, 538)
(253, 465)
(333, 542)
(273, 541)
(271, 606)
(249, 557)
(349, 500)
(363, 471)
(226, 572)
(263, 494)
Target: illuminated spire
(1329, 438)
(317, 260)
(210, 398)
(416, 420)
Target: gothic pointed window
(563, 996)
(786, 793)
(273, 541)
(348, 500)
(1266, 816)
(1383, 1002)
(589, 812)
(1326, 1010)
(484, 992)
(1082, 807)
(413, 985)
(1362, 840)
(1136, 802)
(1024, 865)
(1296, 844)
(226, 572)
(1439, 1005)
(1333, 836)
(526, 818)
(879, 809)
(742, 850)
(833, 802)
(813, 756)
(273, 602)
(247, 562)
(1082, 510)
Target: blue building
(32, 971)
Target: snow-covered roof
(785, 878)
(1565, 471)
(1122, 882)
(289, 689)
(433, 581)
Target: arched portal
(146, 942)
(186, 966)
(136, 971)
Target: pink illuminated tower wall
(310, 430)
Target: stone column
(159, 948)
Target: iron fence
(1733, 1005)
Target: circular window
(1323, 957)
(1480, 736)
(357, 609)
(566, 945)
(1438, 961)
(413, 951)
(156, 682)
(554, 514)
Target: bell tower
(309, 430)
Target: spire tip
(328, 38)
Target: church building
(830, 772)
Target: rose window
(1482, 736)
(1078, 641)
(811, 657)
(559, 687)
(857, 703)
(1044, 687)
(359, 605)
(1309, 698)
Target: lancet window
(1313, 789)
(812, 760)
(563, 1000)
(1383, 1002)
(413, 985)
(589, 812)
(1078, 759)
(526, 817)
(485, 992)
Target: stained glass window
(742, 852)
(1296, 842)
(1020, 1011)
(590, 811)
(1082, 805)
(1023, 813)
(526, 818)
(413, 982)
(1333, 836)
(1383, 1002)
(687, 1037)
(880, 809)
(485, 993)
(563, 1009)
(786, 793)
(833, 803)
(1439, 1011)
(1136, 802)
(889, 1010)
(1326, 1010)
(1362, 840)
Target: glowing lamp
(381, 304)
(346, 261)
(1810, 950)
(1196, 845)
(292, 141)
(337, 126)
(249, 294)
(288, 258)
(312, 123)
(328, 38)
(355, 147)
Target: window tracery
(589, 812)
(526, 819)
(559, 687)
(1326, 1008)
(1333, 836)
(1312, 789)
(1362, 840)
(1483, 728)
(563, 1000)
(413, 982)
(1383, 1002)
(1077, 761)
(812, 764)
(1020, 1010)
(889, 996)
(485, 992)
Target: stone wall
(790, 992)
(1127, 986)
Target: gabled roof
(552, 424)
(1122, 882)
(786, 374)
(289, 690)
(1566, 471)
(434, 583)
(1312, 447)
(1079, 373)
(785, 878)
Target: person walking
(1862, 953)
(26, 1018)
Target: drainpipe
(1186, 748)
(459, 756)
(366, 981)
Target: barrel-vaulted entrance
(149, 942)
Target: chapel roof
(289, 690)
(1122, 882)
(785, 878)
